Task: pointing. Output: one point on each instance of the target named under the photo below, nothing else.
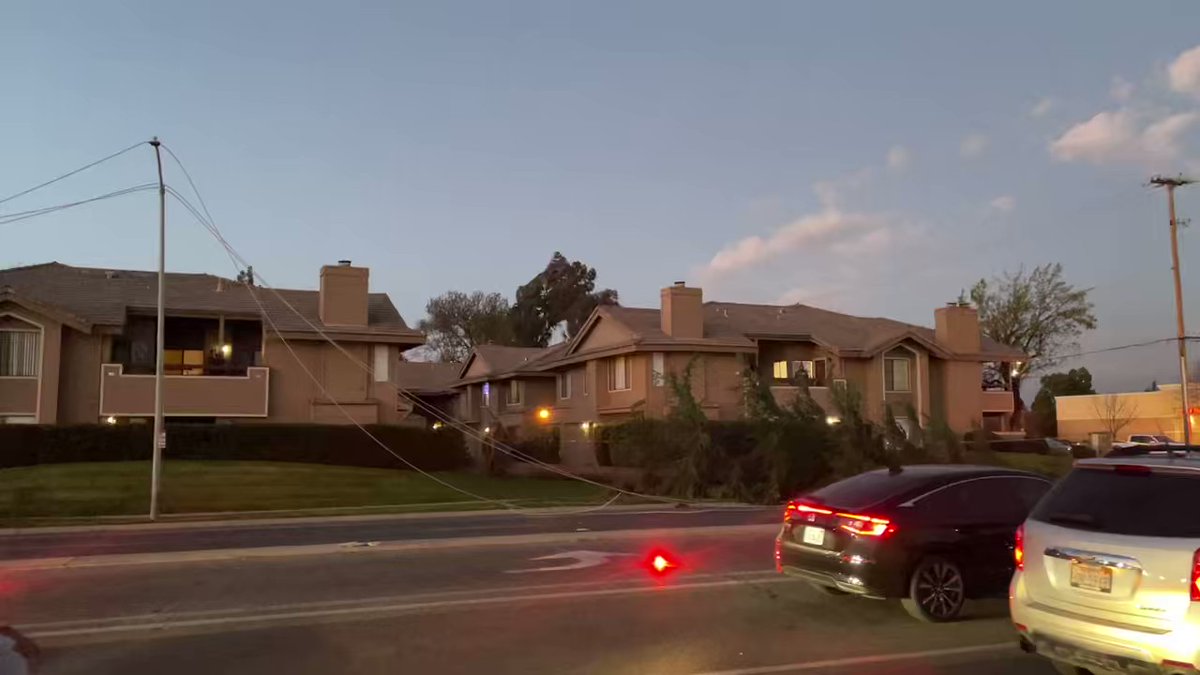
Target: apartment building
(78, 345)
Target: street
(568, 606)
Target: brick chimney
(682, 311)
(956, 327)
(343, 300)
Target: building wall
(963, 394)
(79, 394)
(1152, 412)
(38, 396)
(295, 398)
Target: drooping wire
(85, 167)
(6, 218)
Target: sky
(875, 158)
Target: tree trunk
(1017, 422)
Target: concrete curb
(233, 523)
(411, 545)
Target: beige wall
(1153, 412)
(603, 334)
(295, 398)
(185, 396)
(79, 394)
(343, 295)
(963, 398)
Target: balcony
(123, 395)
(996, 400)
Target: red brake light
(1195, 585)
(796, 507)
(1019, 548)
(866, 526)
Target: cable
(1119, 348)
(71, 173)
(6, 218)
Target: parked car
(930, 535)
(1108, 568)
(1150, 439)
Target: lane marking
(867, 660)
(167, 623)
(583, 560)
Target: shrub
(541, 445)
(27, 445)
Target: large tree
(1037, 312)
(1074, 382)
(456, 322)
(563, 292)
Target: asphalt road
(492, 609)
(15, 545)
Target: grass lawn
(122, 489)
(1053, 466)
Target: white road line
(866, 660)
(169, 623)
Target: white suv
(1108, 568)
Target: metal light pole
(159, 433)
(1170, 184)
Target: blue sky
(873, 158)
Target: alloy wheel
(940, 589)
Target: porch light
(437, 425)
(543, 414)
(226, 350)
(110, 419)
(832, 420)
(584, 426)
(487, 430)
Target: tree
(1115, 412)
(1037, 312)
(1074, 382)
(564, 291)
(459, 321)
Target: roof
(104, 297)
(503, 361)
(422, 377)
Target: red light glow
(797, 507)
(1019, 547)
(660, 563)
(1195, 587)
(866, 526)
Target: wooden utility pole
(1170, 184)
(160, 439)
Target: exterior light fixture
(543, 414)
(226, 350)
(832, 420)
(110, 419)
(487, 430)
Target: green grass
(1054, 466)
(58, 491)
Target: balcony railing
(123, 395)
(996, 400)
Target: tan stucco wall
(963, 395)
(79, 394)
(603, 334)
(18, 396)
(1154, 412)
(184, 396)
(343, 295)
(295, 398)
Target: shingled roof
(104, 297)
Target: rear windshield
(866, 489)
(1147, 505)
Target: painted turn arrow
(582, 560)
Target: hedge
(27, 445)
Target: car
(929, 535)
(1108, 568)
(1151, 439)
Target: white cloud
(811, 233)
(1125, 136)
(1042, 107)
(1184, 72)
(1121, 89)
(1004, 203)
(898, 158)
(973, 145)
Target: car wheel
(936, 591)
(829, 590)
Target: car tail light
(794, 508)
(1019, 549)
(1195, 586)
(866, 526)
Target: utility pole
(1170, 184)
(160, 439)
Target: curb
(351, 548)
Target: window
(1121, 502)
(487, 394)
(466, 402)
(564, 385)
(516, 392)
(381, 363)
(618, 373)
(19, 353)
(780, 370)
(999, 500)
(658, 369)
(895, 375)
(814, 370)
(583, 376)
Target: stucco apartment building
(77, 345)
(617, 367)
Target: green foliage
(697, 467)
(27, 445)
(564, 291)
(1074, 382)
(456, 322)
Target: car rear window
(867, 489)
(1141, 504)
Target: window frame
(888, 370)
(517, 387)
(626, 372)
(564, 378)
(658, 369)
(775, 371)
(34, 335)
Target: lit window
(619, 375)
(487, 394)
(780, 370)
(564, 385)
(380, 370)
(658, 369)
(895, 375)
(516, 392)
(19, 353)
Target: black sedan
(931, 535)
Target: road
(490, 609)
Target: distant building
(1141, 412)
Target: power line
(1117, 348)
(6, 218)
(71, 173)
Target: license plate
(814, 535)
(1091, 577)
